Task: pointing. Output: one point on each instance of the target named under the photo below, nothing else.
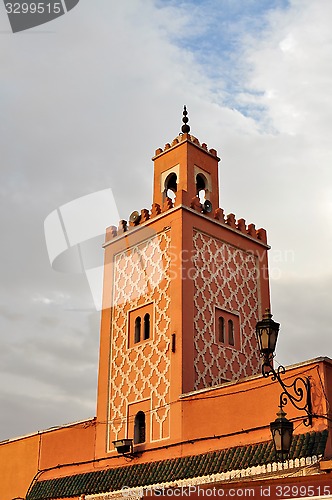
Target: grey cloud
(30, 414)
(10, 315)
(84, 109)
(49, 322)
(303, 307)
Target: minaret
(183, 172)
(184, 286)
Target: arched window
(201, 187)
(146, 326)
(231, 332)
(140, 326)
(171, 186)
(221, 329)
(137, 329)
(227, 331)
(139, 428)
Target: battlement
(145, 215)
(182, 138)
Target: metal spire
(185, 128)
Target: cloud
(85, 105)
(305, 317)
(51, 359)
(291, 69)
(22, 411)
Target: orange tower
(184, 287)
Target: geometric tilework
(135, 475)
(141, 275)
(228, 278)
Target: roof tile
(240, 457)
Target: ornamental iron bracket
(298, 392)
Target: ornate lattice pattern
(228, 278)
(141, 276)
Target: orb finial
(185, 128)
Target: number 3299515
(33, 8)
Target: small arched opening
(231, 332)
(171, 186)
(137, 336)
(201, 187)
(139, 428)
(221, 329)
(146, 326)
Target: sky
(87, 99)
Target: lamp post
(282, 433)
(298, 392)
(124, 446)
(267, 334)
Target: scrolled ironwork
(298, 392)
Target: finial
(185, 128)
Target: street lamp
(298, 392)
(124, 446)
(267, 334)
(282, 433)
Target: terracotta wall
(18, 466)
(240, 413)
(68, 445)
(21, 459)
(328, 395)
(234, 414)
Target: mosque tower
(184, 286)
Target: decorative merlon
(228, 220)
(182, 138)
